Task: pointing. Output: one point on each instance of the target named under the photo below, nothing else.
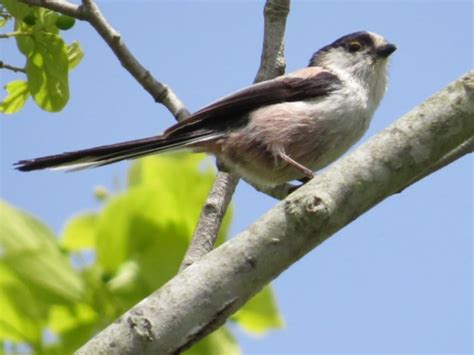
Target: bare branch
(11, 67)
(211, 218)
(272, 64)
(160, 92)
(90, 12)
(200, 298)
(60, 6)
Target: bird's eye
(355, 46)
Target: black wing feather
(282, 89)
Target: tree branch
(60, 6)
(90, 12)
(210, 220)
(272, 64)
(458, 152)
(11, 67)
(199, 299)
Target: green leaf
(143, 223)
(260, 314)
(64, 318)
(74, 54)
(3, 21)
(143, 233)
(47, 20)
(30, 250)
(30, 19)
(26, 43)
(16, 9)
(217, 343)
(47, 70)
(37, 22)
(152, 210)
(23, 314)
(65, 22)
(170, 170)
(17, 94)
(80, 232)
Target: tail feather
(108, 154)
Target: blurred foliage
(48, 58)
(56, 293)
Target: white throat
(360, 70)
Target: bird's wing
(209, 123)
(304, 84)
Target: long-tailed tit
(274, 131)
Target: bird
(273, 131)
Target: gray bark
(200, 299)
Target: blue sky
(399, 278)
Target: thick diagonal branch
(200, 299)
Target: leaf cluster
(56, 293)
(48, 58)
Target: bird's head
(360, 53)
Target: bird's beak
(385, 50)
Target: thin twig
(90, 12)
(12, 68)
(272, 64)
(5, 15)
(63, 7)
(210, 220)
(13, 34)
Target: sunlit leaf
(22, 314)
(260, 314)
(154, 211)
(74, 54)
(30, 250)
(26, 43)
(80, 232)
(151, 223)
(47, 70)
(47, 20)
(64, 318)
(35, 24)
(145, 224)
(3, 21)
(16, 8)
(17, 94)
(217, 343)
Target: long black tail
(108, 154)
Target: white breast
(314, 133)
